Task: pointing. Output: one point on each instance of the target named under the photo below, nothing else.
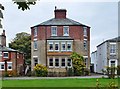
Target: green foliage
(112, 85)
(22, 43)
(118, 70)
(24, 4)
(41, 70)
(78, 64)
(70, 71)
(110, 72)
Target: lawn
(58, 82)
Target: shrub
(40, 70)
(78, 63)
(110, 72)
(118, 70)
(70, 72)
(86, 71)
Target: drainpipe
(46, 44)
(16, 62)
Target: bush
(40, 70)
(118, 70)
(86, 71)
(78, 64)
(110, 72)
(70, 72)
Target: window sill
(5, 57)
(65, 35)
(35, 49)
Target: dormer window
(66, 31)
(54, 31)
(85, 31)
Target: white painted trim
(7, 53)
(2, 62)
(71, 46)
(85, 56)
(113, 43)
(49, 63)
(35, 39)
(58, 46)
(51, 31)
(62, 47)
(7, 65)
(35, 56)
(49, 46)
(63, 31)
(61, 63)
(60, 40)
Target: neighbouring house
(107, 54)
(54, 40)
(94, 61)
(11, 61)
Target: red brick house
(54, 40)
(11, 60)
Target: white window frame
(62, 47)
(64, 31)
(34, 58)
(71, 46)
(0, 54)
(85, 41)
(85, 31)
(67, 63)
(52, 31)
(58, 46)
(58, 62)
(111, 45)
(35, 31)
(49, 46)
(86, 60)
(49, 62)
(1, 64)
(116, 62)
(35, 40)
(61, 62)
(4, 53)
(9, 65)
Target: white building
(94, 60)
(107, 55)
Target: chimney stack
(60, 13)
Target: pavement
(29, 78)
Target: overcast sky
(102, 17)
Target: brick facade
(75, 38)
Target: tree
(22, 43)
(24, 4)
(78, 63)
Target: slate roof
(6, 49)
(114, 39)
(61, 21)
(117, 39)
